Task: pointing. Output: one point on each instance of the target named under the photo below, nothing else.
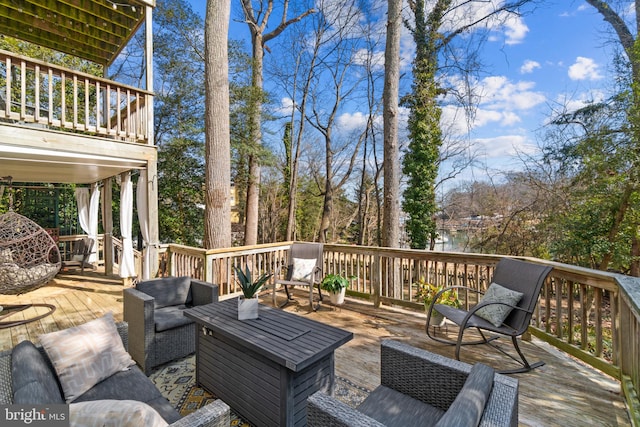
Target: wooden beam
(88, 29)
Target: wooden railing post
(208, 269)
(376, 280)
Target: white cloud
(364, 56)
(529, 66)
(501, 103)
(505, 146)
(348, 122)
(575, 102)
(515, 30)
(510, 118)
(454, 120)
(499, 93)
(286, 106)
(484, 117)
(584, 69)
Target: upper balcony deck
(59, 125)
(64, 126)
(35, 92)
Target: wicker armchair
(422, 389)
(215, 414)
(158, 331)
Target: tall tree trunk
(257, 22)
(291, 179)
(255, 120)
(217, 224)
(391, 210)
(635, 257)
(327, 206)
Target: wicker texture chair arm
(430, 378)
(502, 407)
(138, 309)
(123, 330)
(215, 414)
(323, 410)
(203, 292)
(6, 389)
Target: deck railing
(589, 314)
(36, 92)
(66, 246)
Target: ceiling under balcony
(95, 30)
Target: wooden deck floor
(563, 392)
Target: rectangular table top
(285, 338)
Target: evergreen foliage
(420, 163)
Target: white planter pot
(337, 297)
(247, 308)
(436, 319)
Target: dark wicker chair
(215, 414)
(524, 277)
(158, 330)
(419, 388)
(301, 251)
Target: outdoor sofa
(419, 388)
(28, 376)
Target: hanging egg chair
(29, 257)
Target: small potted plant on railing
(336, 285)
(248, 301)
(426, 292)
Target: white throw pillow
(496, 313)
(86, 354)
(303, 269)
(114, 413)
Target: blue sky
(560, 54)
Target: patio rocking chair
(505, 309)
(304, 268)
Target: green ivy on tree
(420, 163)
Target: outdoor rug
(176, 381)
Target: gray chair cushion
(392, 408)
(167, 291)
(132, 384)
(467, 408)
(33, 378)
(170, 317)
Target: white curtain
(127, 266)
(142, 204)
(82, 198)
(94, 205)
(88, 205)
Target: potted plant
(248, 301)
(336, 285)
(428, 291)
